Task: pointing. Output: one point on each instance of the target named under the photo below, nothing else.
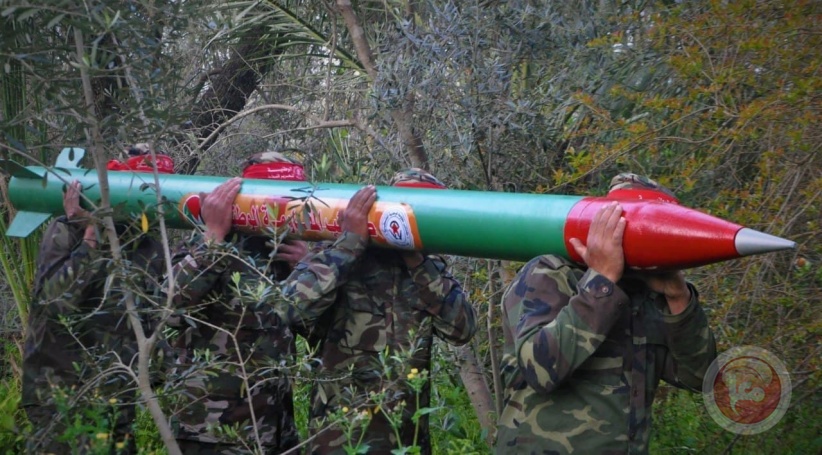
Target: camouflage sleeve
(197, 268)
(556, 327)
(312, 286)
(691, 345)
(441, 295)
(64, 267)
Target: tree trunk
(229, 89)
(473, 377)
(404, 117)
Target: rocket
(659, 234)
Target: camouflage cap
(269, 157)
(416, 177)
(273, 166)
(632, 186)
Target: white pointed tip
(749, 241)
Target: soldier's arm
(691, 345)
(197, 265)
(65, 266)
(556, 327)
(441, 296)
(312, 286)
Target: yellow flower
(345, 409)
(414, 371)
(120, 445)
(112, 400)
(102, 436)
(411, 375)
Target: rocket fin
(749, 241)
(16, 169)
(70, 157)
(25, 223)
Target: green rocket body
(468, 223)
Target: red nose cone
(660, 235)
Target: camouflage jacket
(73, 322)
(365, 304)
(219, 312)
(583, 358)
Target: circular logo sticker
(747, 390)
(395, 228)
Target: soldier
(372, 303)
(77, 328)
(585, 348)
(224, 321)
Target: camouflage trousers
(48, 426)
(367, 422)
(273, 415)
(380, 437)
(190, 447)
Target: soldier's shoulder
(555, 262)
(549, 262)
(60, 230)
(541, 271)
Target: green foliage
(17, 257)
(87, 427)
(682, 425)
(146, 436)
(13, 423)
(454, 426)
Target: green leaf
(55, 20)
(27, 14)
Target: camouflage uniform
(70, 285)
(219, 396)
(583, 358)
(366, 303)
(265, 343)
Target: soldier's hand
(71, 202)
(354, 218)
(412, 259)
(291, 251)
(603, 249)
(672, 285)
(216, 210)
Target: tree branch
(403, 118)
(95, 139)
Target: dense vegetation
(720, 101)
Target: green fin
(25, 223)
(16, 169)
